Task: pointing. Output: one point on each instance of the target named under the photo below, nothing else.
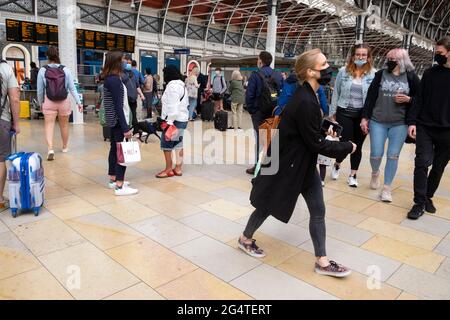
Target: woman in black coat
(300, 142)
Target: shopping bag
(128, 153)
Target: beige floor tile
(386, 212)
(37, 284)
(98, 195)
(70, 207)
(240, 184)
(226, 209)
(151, 262)
(413, 256)
(343, 215)
(129, 211)
(139, 291)
(14, 257)
(56, 191)
(407, 296)
(99, 275)
(71, 180)
(200, 285)
(103, 230)
(200, 183)
(403, 198)
(24, 217)
(147, 196)
(175, 209)
(164, 186)
(192, 195)
(47, 235)
(329, 194)
(400, 233)
(277, 251)
(352, 203)
(354, 287)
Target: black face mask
(440, 59)
(391, 65)
(325, 76)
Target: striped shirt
(114, 96)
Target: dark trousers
(133, 108)
(257, 120)
(432, 148)
(313, 196)
(148, 103)
(352, 132)
(114, 168)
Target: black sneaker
(416, 212)
(429, 206)
(251, 170)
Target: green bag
(101, 115)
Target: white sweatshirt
(174, 105)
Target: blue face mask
(360, 63)
(128, 67)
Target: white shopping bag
(128, 153)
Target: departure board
(41, 33)
(45, 34)
(13, 32)
(100, 40)
(28, 30)
(52, 35)
(110, 41)
(89, 39)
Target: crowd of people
(391, 104)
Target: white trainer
(352, 182)
(386, 195)
(375, 181)
(125, 191)
(335, 172)
(112, 185)
(51, 155)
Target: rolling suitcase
(25, 182)
(221, 120)
(207, 111)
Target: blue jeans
(379, 133)
(192, 105)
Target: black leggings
(351, 132)
(314, 200)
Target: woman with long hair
(300, 142)
(52, 94)
(118, 119)
(192, 89)
(349, 95)
(387, 105)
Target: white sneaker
(112, 185)
(125, 191)
(335, 173)
(375, 181)
(65, 150)
(352, 182)
(51, 155)
(386, 195)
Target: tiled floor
(176, 239)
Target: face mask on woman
(440, 59)
(360, 63)
(325, 76)
(391, 65)
(218, 73)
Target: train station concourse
(134, 164)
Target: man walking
(9, 118)
(254, 92)
(429, 124)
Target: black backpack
(268, 99)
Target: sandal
(177, 173)
(165, 174)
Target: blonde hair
(194, 71)
(402, 58)
(307, 60)
(236, 75)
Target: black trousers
(313, 196)
(257, 120)
(133, 108)
(351, 132)
(432, 148)
(114, 168)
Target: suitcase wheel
(36, 212)
(14, 213)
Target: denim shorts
(177, 142)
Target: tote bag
(128, 153)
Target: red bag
(171, 133)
